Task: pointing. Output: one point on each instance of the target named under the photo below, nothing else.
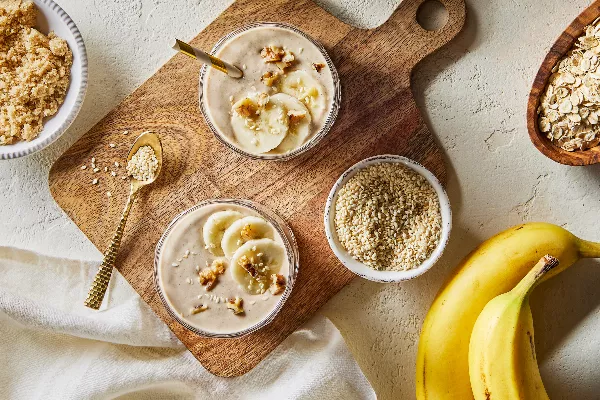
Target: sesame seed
(108, 194)
(143, 164)
(125, 132)
(112, 145)
(113, 173)
(117, 164)
(95, 182)
(83, 167)
(96, 169)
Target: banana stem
(534, 277)
(589, 249)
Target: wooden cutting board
(378, 115)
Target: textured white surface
(473, 95)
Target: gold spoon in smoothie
(208, 59)
(148, 169)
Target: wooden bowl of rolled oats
(563, 111)
(43, 74)
(388, 219)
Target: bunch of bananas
(477, 339)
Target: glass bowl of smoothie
(224, 268)
(287, 100)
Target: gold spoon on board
(102, 278)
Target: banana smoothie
(285, 98)
(222, 268)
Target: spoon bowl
(146, 139)
(563, 44)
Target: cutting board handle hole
(432, 15)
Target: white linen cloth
(53, 347)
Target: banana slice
(259, 123)
(214, 228)
(299, 120)
(307, 89)
(254, 262)
(243, 230)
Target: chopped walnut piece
(277, 284)
(248, 266)
(236, 305)
(288, 57)
(269, 78)
(247, 233)
(286, 61)
(282, 58)
(296, 115)
(198, 309)
(318, 66)
(247, 108)
(209, 276)
(272, 53)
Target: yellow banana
(502, 361)
(493, 268)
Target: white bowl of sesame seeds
(388, 219)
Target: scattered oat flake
(175, 265)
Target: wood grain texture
(562, 45)
(378, 115)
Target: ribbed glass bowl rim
(331, 117)
(290, 245)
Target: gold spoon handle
(102, 278)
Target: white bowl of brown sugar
(388, 219)
(44, 75)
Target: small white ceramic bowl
(361, 269)
(53, 18)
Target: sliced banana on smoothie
(214, 228)
(254, 262)
(303, 86)
(259, 122)
(243, 230)
(299, 122)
